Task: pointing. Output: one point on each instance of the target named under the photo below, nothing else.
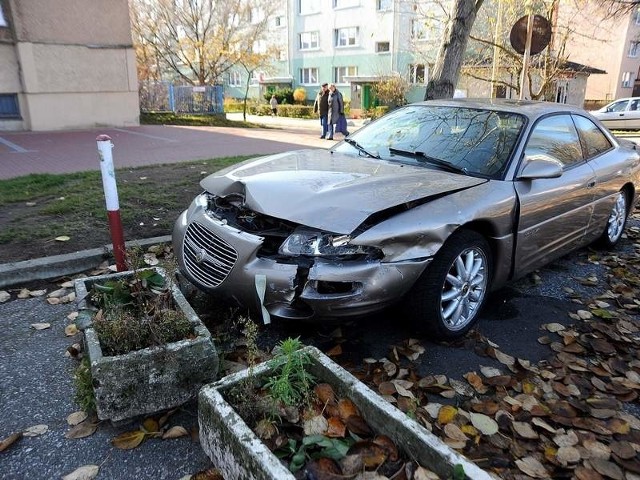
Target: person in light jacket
(336, 110)
(274, 105)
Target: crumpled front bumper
(219, 258)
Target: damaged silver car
(432, 206)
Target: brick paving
(22, 153)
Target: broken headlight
(318, 244)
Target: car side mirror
(540, 166)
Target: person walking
(337, 120)
(274, 105)
(321, 107)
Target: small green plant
(83, 381)
(137, 311)
(290, 383)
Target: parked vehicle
(621, 114)
(431, 205)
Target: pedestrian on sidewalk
(274, 105)
(321, 107)
(337, 120)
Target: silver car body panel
(332, 192)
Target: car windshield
(466, 140)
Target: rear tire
(616, 222)
(448, 296)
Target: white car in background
(621, 114)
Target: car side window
(593, 141)
(556, 136)
(618, 106)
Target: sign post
(111, 196)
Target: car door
(554, 212)
(616, 114)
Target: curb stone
(16, 273)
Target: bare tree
(199, 41)
(452, 48)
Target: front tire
(616, 222)
(448, 296)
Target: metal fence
(165, 97)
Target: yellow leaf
(150, 425)
(446, 414)
(63, 238)
(128, 440)
(70, 330)
(528, 387)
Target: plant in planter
(147, 348)
(305, 418)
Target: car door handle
(591, 184)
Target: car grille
(206, 256)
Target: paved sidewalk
(22, 153)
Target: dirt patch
(30, 228)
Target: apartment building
(66, 64)
(351, 43)
(607, 42)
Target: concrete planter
(239, 454)
(148, 380)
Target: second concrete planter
(239, 454)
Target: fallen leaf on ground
(532, 467)
(4, 296)
(40, 326)
(88, 472)
(36, 430)
(175, 432)
(10, 440)
(82, 430)
(76, 417)
(128, 440)
(62, 238)
(70, 330)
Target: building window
(235, 79)
(309, 40)
(638, 16)
(340, 72)
(633, 49)
(626, 79)
(279, 21)
(309, 76)
(347, 37)
(384, 4)
(9, 106)
(308, 6)
(345, 3)
(3, 22)
(418, 73)
(418, 30)
(382, 47)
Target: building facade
(66, 64)
(607, 42)
(351, 43)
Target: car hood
(331, 191)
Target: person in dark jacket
(321, 107)
(336, 111)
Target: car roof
(529, 108)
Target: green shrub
(375, 112)
(283, 95)
(296, 111)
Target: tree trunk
(451, 53)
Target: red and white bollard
(111, 197)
